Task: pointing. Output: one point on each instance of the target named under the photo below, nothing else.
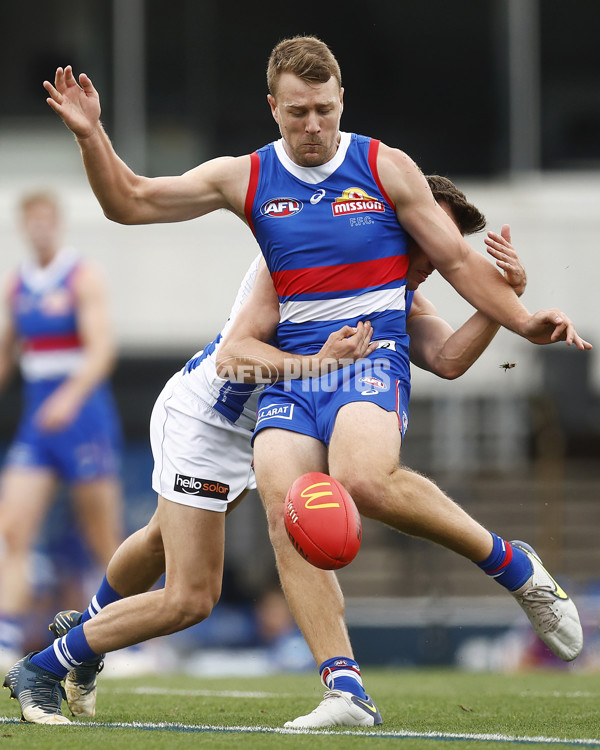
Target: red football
(322, 521)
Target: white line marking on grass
(557, 694)
(196, 693)
(444, 736)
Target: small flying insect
(506, 366)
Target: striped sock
(65, 653)
(104, 596)
(342, 673)
(509, 565)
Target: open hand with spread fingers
(499, 246)
(77, 102)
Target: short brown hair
(39, 196)
(468, 217)
(306, 57)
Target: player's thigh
(194, 541)
(25, 496)
(365, 442)
(280, 457)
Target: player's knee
(275, 522)
(189, 608)
(368, 490)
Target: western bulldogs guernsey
(43, 309)
(235, 401)
(332, 242)
(337, 255)
(43, 306)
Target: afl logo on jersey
(279, 208)
(354, 201)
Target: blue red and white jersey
(237, 402)
(332, 243)
(43, 308)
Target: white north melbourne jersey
(237, 402)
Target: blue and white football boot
(80, 683)
(39, 692)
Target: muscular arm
(469, 273)
(435, 346)
(128, 198)
(93, 322)
(246, 356)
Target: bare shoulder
(400, 175)
(227, 175)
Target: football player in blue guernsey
(306, 408)
(57, 328)
(335, 243)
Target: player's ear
(273, 105)
(341, 100)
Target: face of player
(41, 227)
(419, 265)
(308, 116)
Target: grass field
(420, 709)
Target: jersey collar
(313, 175)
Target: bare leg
(193, 542)
(139, 561)
(407, 501)
(314, 595)
(26, 496)
(98, 509)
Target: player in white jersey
(200, 430)
(201, 426)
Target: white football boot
(551, 612)
(80, 682)
(339, 709)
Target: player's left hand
(550, 326)
(58, 411)
(346, 345)
(499, 246)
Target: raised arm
(95, 331)
(129, 198)
(469, 273)
(245, 354)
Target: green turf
(561, 705)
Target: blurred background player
(57, 328)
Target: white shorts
(200, 458)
